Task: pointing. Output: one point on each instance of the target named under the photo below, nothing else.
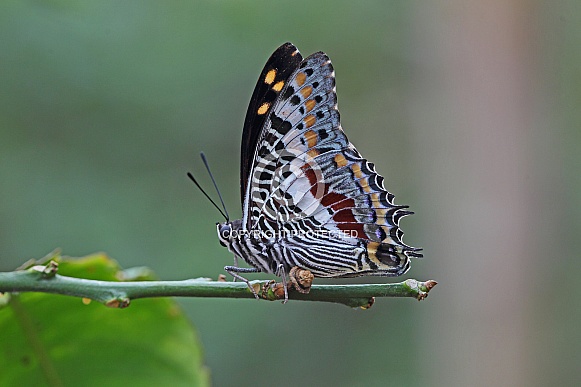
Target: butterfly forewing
(273, 77)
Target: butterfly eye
(224, 233)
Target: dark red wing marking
(340, 204)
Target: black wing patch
(281, 64)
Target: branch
(119, 294)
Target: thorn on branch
(429, 284)
(119, 302)
(48, 271)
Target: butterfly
(309, 199)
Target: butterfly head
(228, 231)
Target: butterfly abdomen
(325, 253)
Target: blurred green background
(471, 110)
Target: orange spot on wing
(313, 153)
(381, 212)
(263, 108)
(310, 120)
(301, 78)
(372, 252)
(340, 160)
(357, 171)
(310, 104)
(306, 91)
(365, 185)
(278, 86)
(270, 75)
(311, 138)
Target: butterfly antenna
(215, 185)
(209, 198)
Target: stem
(119, 294)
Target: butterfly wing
(306, 176)
(275, 73)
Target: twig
(119, 294)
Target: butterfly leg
(235, 265)
(234, 270)
(281, 272)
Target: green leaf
(64, 341)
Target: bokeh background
(471, 110)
